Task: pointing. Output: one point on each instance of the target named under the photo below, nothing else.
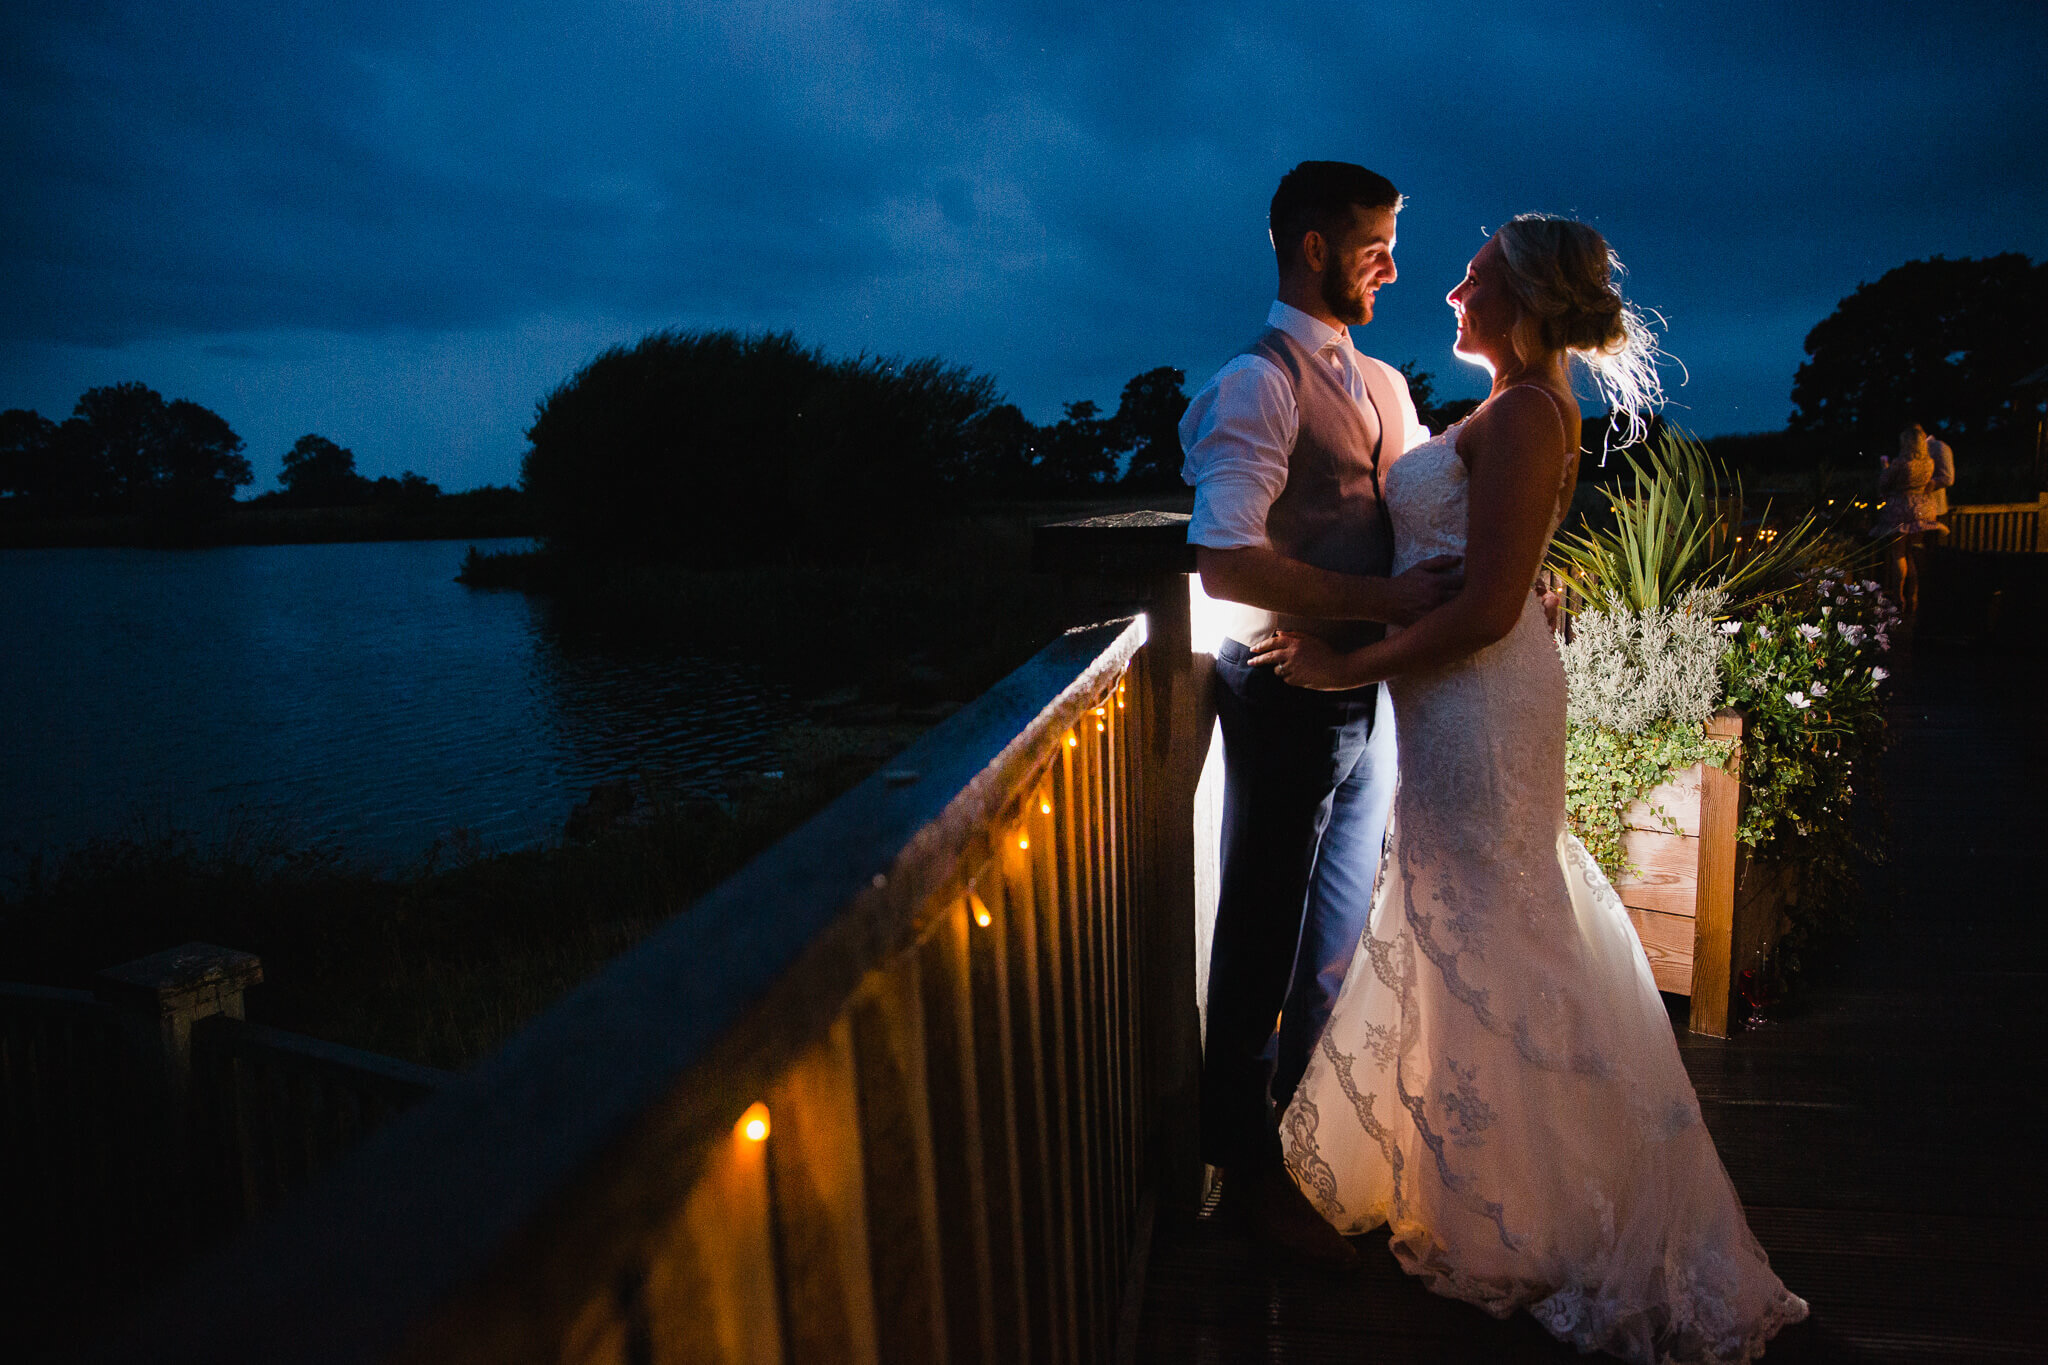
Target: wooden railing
(907, 1088)
(146, 1118)
(2006, 528)
(273, 1109)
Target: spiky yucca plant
(1677, 527)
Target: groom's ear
(1315, 251)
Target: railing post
(1143, 559)
(163, 995)
(1714, 962)
(159, 998)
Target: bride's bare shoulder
(1527, 421)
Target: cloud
(1060, 195)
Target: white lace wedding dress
(1499, 1082)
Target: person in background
(1906, 481)
(1944, 458)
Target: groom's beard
(1345, 300)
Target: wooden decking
(1886, 1133)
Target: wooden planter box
(1704, 908)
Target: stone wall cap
(183, 970)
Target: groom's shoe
(1279, 1215)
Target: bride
(1498, 1082)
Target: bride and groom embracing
(1469, 1047)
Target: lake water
(353, 693)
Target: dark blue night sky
(399, 224)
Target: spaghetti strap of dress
(1557, 404)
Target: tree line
(718, 448)
(125, 451)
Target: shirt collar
(1310, 332)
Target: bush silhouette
(717, 449)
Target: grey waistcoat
(1329, 514)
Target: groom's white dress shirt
(1240, 427)
(1944, 457)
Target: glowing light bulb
(982, 916)
(753, 1124)
(1071, 741)
(1023, 841)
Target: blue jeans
(1308, 779)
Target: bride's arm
(1515, 457)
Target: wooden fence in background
(907, 1088)
(2000, 528)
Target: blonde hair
(1912, 441)
(1563, 274)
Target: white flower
(1811, 632)
(1827, 611)
(1879, 674)
(1851, 632)
(1820, 689)
(1798, 700)
(1826, 586)
(1884, 642)
(1731, 627)
(1867, 586)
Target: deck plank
(1883, 1131)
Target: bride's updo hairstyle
(1563, 275)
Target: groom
(1285, 447)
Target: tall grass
(437, 963)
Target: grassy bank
(440, 962)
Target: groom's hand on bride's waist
(1422, 589)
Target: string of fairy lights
(753, 1124)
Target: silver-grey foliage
(1627, 670)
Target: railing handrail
(58, 997)
(658, 1054)
(1991, 508)
(240, 1038)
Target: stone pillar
(163, 995)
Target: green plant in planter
(1678, 525)
(1639, 683)
(1805, 670)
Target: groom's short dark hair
(1318, 196)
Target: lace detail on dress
(1498, 1081)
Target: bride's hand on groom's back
(1424, 588)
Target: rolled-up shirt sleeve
(1236, 433)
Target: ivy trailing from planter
(1607, 771)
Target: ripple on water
(354, 692)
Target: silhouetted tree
(407, 490)
(26, 459)
(199, 462)
(1002, 449)
(1422, 390)
(1147, 428)
(319, 473)
(716, 448)
(1938, 342)
(123, 450)
(1076, 452)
